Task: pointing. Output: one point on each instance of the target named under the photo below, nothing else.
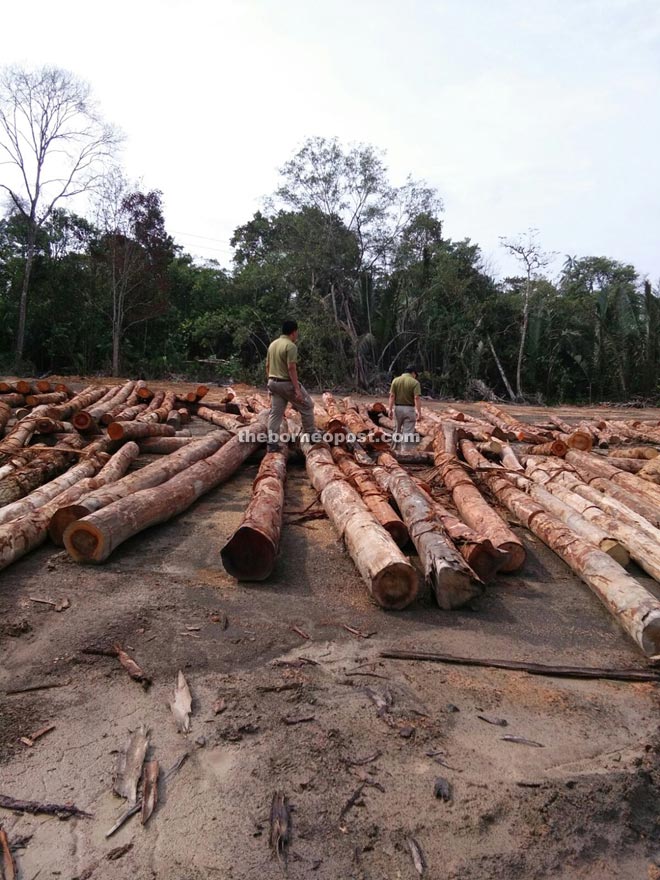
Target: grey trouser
(281, 394)
(405, 418)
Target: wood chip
(300, 632)
(149, 789)
(358, 632)
(181, 706)
(419, 861)
(8, 863)
(30, 740)
(520, 740)
(129, 766)
(132, 667)
(118, 852)
(491, 719)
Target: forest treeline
(361, 263)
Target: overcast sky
(522, 113)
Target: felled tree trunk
(40, 399)
(147, 477)
(93, 538)
(223, 420)
(13, 400)
(598, 467)
(372, 496)
(5, 415)
(636, 610)
(87, 419)
(25, 533)
(636, 452)
(335, 421)
(390, 578)
(138, 430)
(452, 580)
(87, 397)
(475, 511)
(554, 447)
(165, 445)
(250, 553)
(20, 434)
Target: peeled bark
(391, 579)
(636, 610)
(372, 496)
(453, 581)
(138, 430)
(93, 538)
(147, 477)
(250, 553)
(21, 535)
(475, 511)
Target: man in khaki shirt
(405, 405)
(284, 386)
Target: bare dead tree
(53, 144)
(528, 252)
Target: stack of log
(589, 489)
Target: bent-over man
(405, 404)
(284, 386)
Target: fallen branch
(62, 811)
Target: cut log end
(515, 556)
(115, 430)
(84, 542)
(395, 586)
(650, 637)
(82, 421)
(398, 531)
(248, 555)
(61, 519)
(484, 559)
(454, 588)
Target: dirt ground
(322, 718)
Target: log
(643, 452)
(579, 440)
(372, 496)
(554, 447)
(44, 493)
(452, 580)
(7, 388)
(586, 529)
(391, 579)
(154, 405)
(632, 465)
(250, 553)
(510, 459)
(636, 610)
(335, 421)
(13, 400)
(598, 467)
(413, 458)
(39, 399)
(651, 471)
(478, 552)
(21, 535)
(123, 413)
(510, 424)
(173, 419)
(86, 419)
(638, 536)
(5, 415)
(24, 387)
(222, 420)
(29, 477)
(164, 445)
(147, 477)
(93, 538)
(90, 395)
(138, 430)
(46, 425)
(19, 435)
(475, 511)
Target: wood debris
(417, 854)
(118, 852)
(442, 789)
(181, 706)
(135, 672)
(30, 740)
(62, 811)
(129, 766)
(8, 863)
(149, 789)
(219, 706)
(492, 719)
(521, 740)
(280, 826)
(300, 632)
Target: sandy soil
(582, 806)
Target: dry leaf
(129, 765)
(181, 706)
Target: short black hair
(412, 368)
(288, 327)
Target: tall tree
(526, 249)
(53, 144)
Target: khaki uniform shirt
(404, 388)
(281, 352)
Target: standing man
(283, 384)
(405, 404)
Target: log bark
(636, 610)
(147, 477)
(391, 579)
(445, 571)
(475, 511)
(93, 538)
(138, 430)
(250, 553)
(21, 535)
(165, 445)
(372, 495)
